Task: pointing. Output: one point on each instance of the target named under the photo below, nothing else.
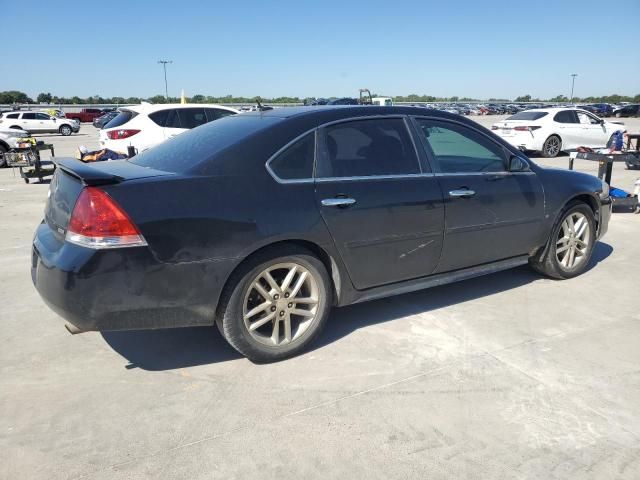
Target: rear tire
(65, 130)
(551, 146)
(275, 304)
(570, 245)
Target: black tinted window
(28, 116)
(13, 115)
(368, 148)
(42, 116)
(216, 113)
(123, 117)
(527, 116)
(192, 117)
(159, 117)
(195, 146)
(296, 162)
(566, 116)
(459, 149)
(173, 119)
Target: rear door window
(364, 148)
(216, 113)
(28, 116)
(566, 116)
(192, 117)
(173, 119)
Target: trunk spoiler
(107, 173)
(87, 173)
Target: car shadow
(168, 349)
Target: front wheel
(551, 147)
(65, 130)
(276, 304)
(571, 244)
(3, 161)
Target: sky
(479, 49)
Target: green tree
(523, 98)
(44, 98)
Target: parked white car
(552, 130)
(143, 126)
(8, 141)
(39, 122)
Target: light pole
(573, 81)
(164, 65)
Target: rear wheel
(571, 244)
(551, 147)
(276, 304)
(65, 130)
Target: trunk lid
(72, 176)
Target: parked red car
(86, 114)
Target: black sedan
(632, 110)
(261, 222)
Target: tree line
(17, 97)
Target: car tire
(566, 255)
(618, 115)
(551, 146)
(65, 130)
(259, 315)
(3, 161)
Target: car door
(490, 213)
(46, 123)
(594, 133)
(28, 122)
(383, 209)
(569, 129)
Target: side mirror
(516, 164)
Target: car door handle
(462, 193)
(338, 202)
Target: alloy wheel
(572, 244)
(552, 146)
(281, 304)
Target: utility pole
(164, 65)
(573, 81)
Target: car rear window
(185, 151)
(123, 117)
(527, 116)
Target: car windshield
(123, 117)
(527, 115)
(188, 149)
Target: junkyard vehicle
(261, 222)
(38, 122)
(552, 130)
(143, 126)
(9, 139)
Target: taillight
(526, 129)
(98, 221)
(122, 133)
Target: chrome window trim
(373, 177)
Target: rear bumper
(123, 289)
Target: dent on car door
(384, 212)
(490, 213)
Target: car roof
(345, 111)
(150, 108)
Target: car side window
(459, 149)
(296, 161)
(42, 116)
(173, 119)
(13, 115)
(216, 113)
(159, 117)
(363, 148)
(192, 117)
(566, 116)
(28, 116)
